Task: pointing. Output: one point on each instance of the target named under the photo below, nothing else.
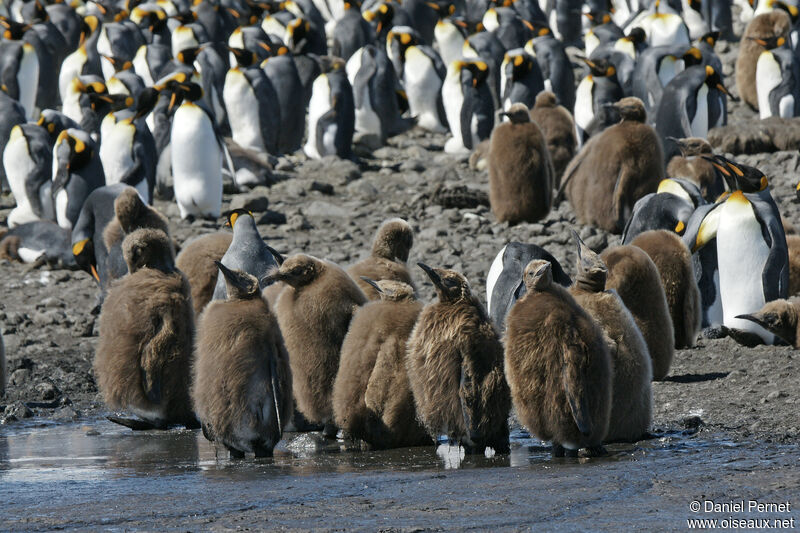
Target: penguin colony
(105, 106)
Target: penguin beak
(374, 285)
(172, 100)
(234, 278)
(431, 272)
(755, 318)
(274, 276)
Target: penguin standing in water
(19, 68)
(242, 388)
(455, 368)
(748, 219)
(468, 104)
(28, 164)
(778, 81)
(521, 79)
(195, 151)
(691, 104)
(247, 252)
(331, 114)
(375, 89)
(252, 104)
(599, 87)
(504, 282)
(77, 172)
(128, 150)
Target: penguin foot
(191, 423)
(137, 424)
(558, 450)
(234, 453)
(262, 451)
(745, 338)
(330, 430)
(596, 451)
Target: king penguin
(760, 30)
(504, 282)
(281, 70)
(77, 172)
(247, 252)
(597, 88)
(778, 82)
(252, 104)
(331, 114)
(521, 79)
(468, 104)
(422, 76)
(19, 70)
(556, 67)
(28, 163)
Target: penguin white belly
(625, 47)
(584, 104)
(62, 202)
(714, 312)
(667, 29)
(329, 139)
(494, 274)
(29, 255)
(141, 68)
(72, 107)
(450, 42)
(768, 76)
(548, 85)
(18, 164)
(242, 106)
(70, 69)
(196, 163)
(367, 121)
(319, 104)
(28, 80)
(741, 255)
(422, 85)
(667, 69)
(694, 22)
(116, 151)
(700, 119)
(108, 68)
(453, 100)
(786, 106)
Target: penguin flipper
(577, 403)
(153, 354)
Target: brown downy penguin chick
(520, 172)
(2, 366)
(635, 277)
(144, 355)
(674, 263)
(242, 390)
(132, 214)
(781, 318)
(455, 367)
(558, 128)
(196, 261)
(614, 169)
(557, 365)
(690, 165)
(632, 397)
(793, 244)
(477, 159)
(761, 29)
(372, 398)
(390, 248)
(314, 312)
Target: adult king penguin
(468, 104)
(331, 114)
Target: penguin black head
(182, 88)
(118, 64)
(739, 177)
(55, 122)
(520, 65)
(94, 88)
(636, 36)
(148, 248)
(598, 18)
(381, 16)
(13, 31)
(538, 275)
(473, 72)
(692, 56)
(518, 113)
(244, 58)
(88, 27)
(793, 11)
(152, 20)
(187, 56)
(83, 252)
(778, 317)
(72, 147)
(34, 12)
(443, 9)
(239, 284)
(391, 290)
(770, 43)
(714, 80)
(121, 101)
(592, 272)
(631, 109)
(710, 38)
(298, 271)
(451, 286)
(185, 17)
(400, 38)
(234, 215)
(145, 102)
(601, 68)
(299, 30)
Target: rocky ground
(331, 209)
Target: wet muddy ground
(93, 475)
